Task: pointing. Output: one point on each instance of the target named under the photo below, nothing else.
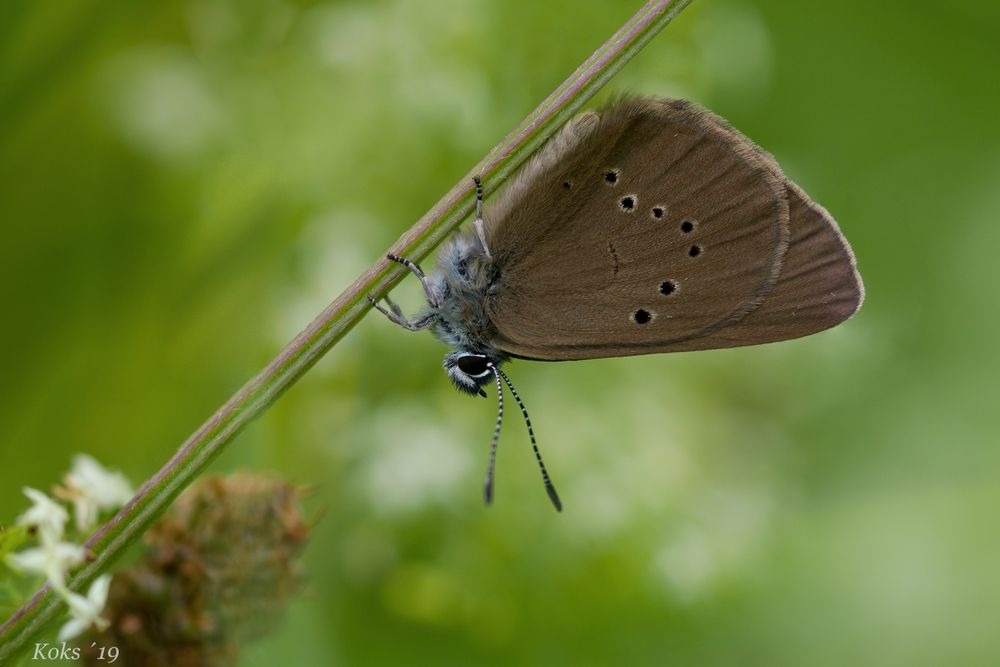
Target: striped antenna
(549, 487)
(488, 487)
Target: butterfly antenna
(488, 487)
(549, 487)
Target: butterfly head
(469, 371)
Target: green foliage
(12, 538)
(14, 586)
(185, 185)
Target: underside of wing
(819, 285)
(651, 227)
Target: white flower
(85, 611)
(91, 489)
(46, 515)
(52, 559)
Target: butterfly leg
(395, 314)
(393, 306)
(433, 298)
(478, 222)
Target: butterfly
(649, 226)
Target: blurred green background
(184, 185)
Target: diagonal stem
(111, 540)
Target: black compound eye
(472, 364)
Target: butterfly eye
(473, 364)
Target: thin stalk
(111, 540)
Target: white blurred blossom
(419, 462)
(163, 102)
(51, 559)
(45, 515)
(93, 489)
(86, 611)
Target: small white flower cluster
(91, 489)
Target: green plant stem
(111, 540)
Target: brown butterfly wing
(648, 228)
(819, 285)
